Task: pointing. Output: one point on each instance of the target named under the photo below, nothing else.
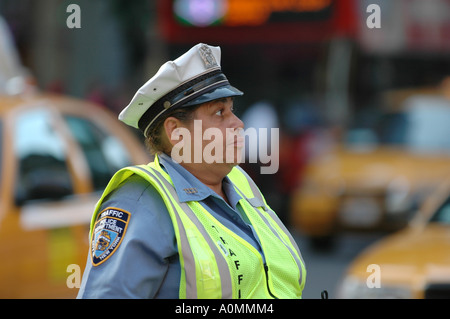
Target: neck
(211, 175)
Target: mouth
(238, 141)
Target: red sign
(254, 21)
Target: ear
(171, 127)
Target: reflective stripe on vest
(206, 268)
(188, 261)
(189, 266)
(258, 202)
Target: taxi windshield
(442, 215)
(420, 128)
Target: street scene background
(358, 89)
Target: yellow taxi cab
(56, 156)
(412, 263)
(376, 179)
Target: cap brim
(218, 93)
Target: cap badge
(207, 56)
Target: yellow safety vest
(215, 262)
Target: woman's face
(214, 136)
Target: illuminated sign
(255, 21)
(203, 13)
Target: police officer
(190, 224)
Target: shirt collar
(189, 188)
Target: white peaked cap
(193, 78)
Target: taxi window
(41, 155)
(442, 215)
(392, 128)
(422, 128)
(104, 153)
(428, 124)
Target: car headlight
(354, 288)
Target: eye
(219, 112)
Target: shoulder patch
(108, 232)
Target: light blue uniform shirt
(146, 264)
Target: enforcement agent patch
(108, 233)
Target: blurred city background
(359, 89)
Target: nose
(236, 122)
